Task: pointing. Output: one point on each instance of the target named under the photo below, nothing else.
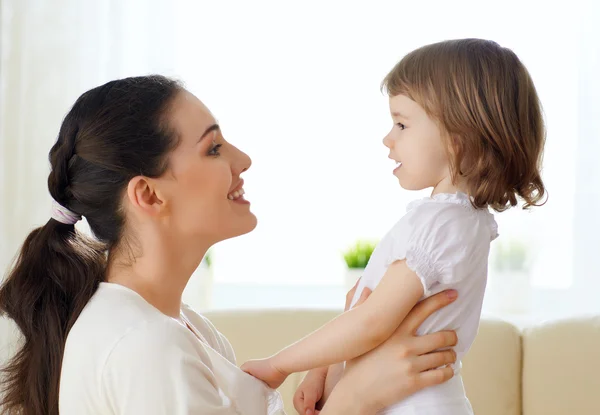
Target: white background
(296, 86)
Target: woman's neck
(159, 273)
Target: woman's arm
(401, 366)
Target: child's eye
(214, 151)
(402, 126)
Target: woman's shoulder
(116, 315)
(114, 311)
(117, 333)
(119, 317)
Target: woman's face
(202, 188)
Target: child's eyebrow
(397, 114)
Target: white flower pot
(352, 275)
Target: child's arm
(359, 330)
(351, 334)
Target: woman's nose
(242, 162)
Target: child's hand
(310, 392)
(264, 370)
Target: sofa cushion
(561, 368)
(491, 370)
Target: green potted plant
(357, 257)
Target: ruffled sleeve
(446, 241)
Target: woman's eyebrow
(210, 129)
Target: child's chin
(411, 186)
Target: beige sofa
(552, 369)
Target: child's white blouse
(446, 242)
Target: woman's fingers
(363, 296)
(366, 292)
(310, 401)
(434, 360)
(299, 401)
(433, 377)
(425, 308)
(350, 295)
(434, 341)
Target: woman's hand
(401, 366)
(363, 296)
(310, 391)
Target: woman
(145, 163)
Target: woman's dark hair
(113, 133)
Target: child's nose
(388, 142)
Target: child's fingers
(310, 401)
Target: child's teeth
(235, 195)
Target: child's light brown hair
(487, 107)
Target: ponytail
(113, 133)
(55, 275)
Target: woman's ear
(143, 196)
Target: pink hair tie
(63, 215)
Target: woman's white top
(124, 357)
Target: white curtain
(295, 84)
(52, 51)
(586, 224)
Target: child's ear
(142, 195)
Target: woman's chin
(251, 225)
(242, 226)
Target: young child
(468, 124)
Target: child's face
(416, 142)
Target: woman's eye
(214, 151)
(402, 126)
